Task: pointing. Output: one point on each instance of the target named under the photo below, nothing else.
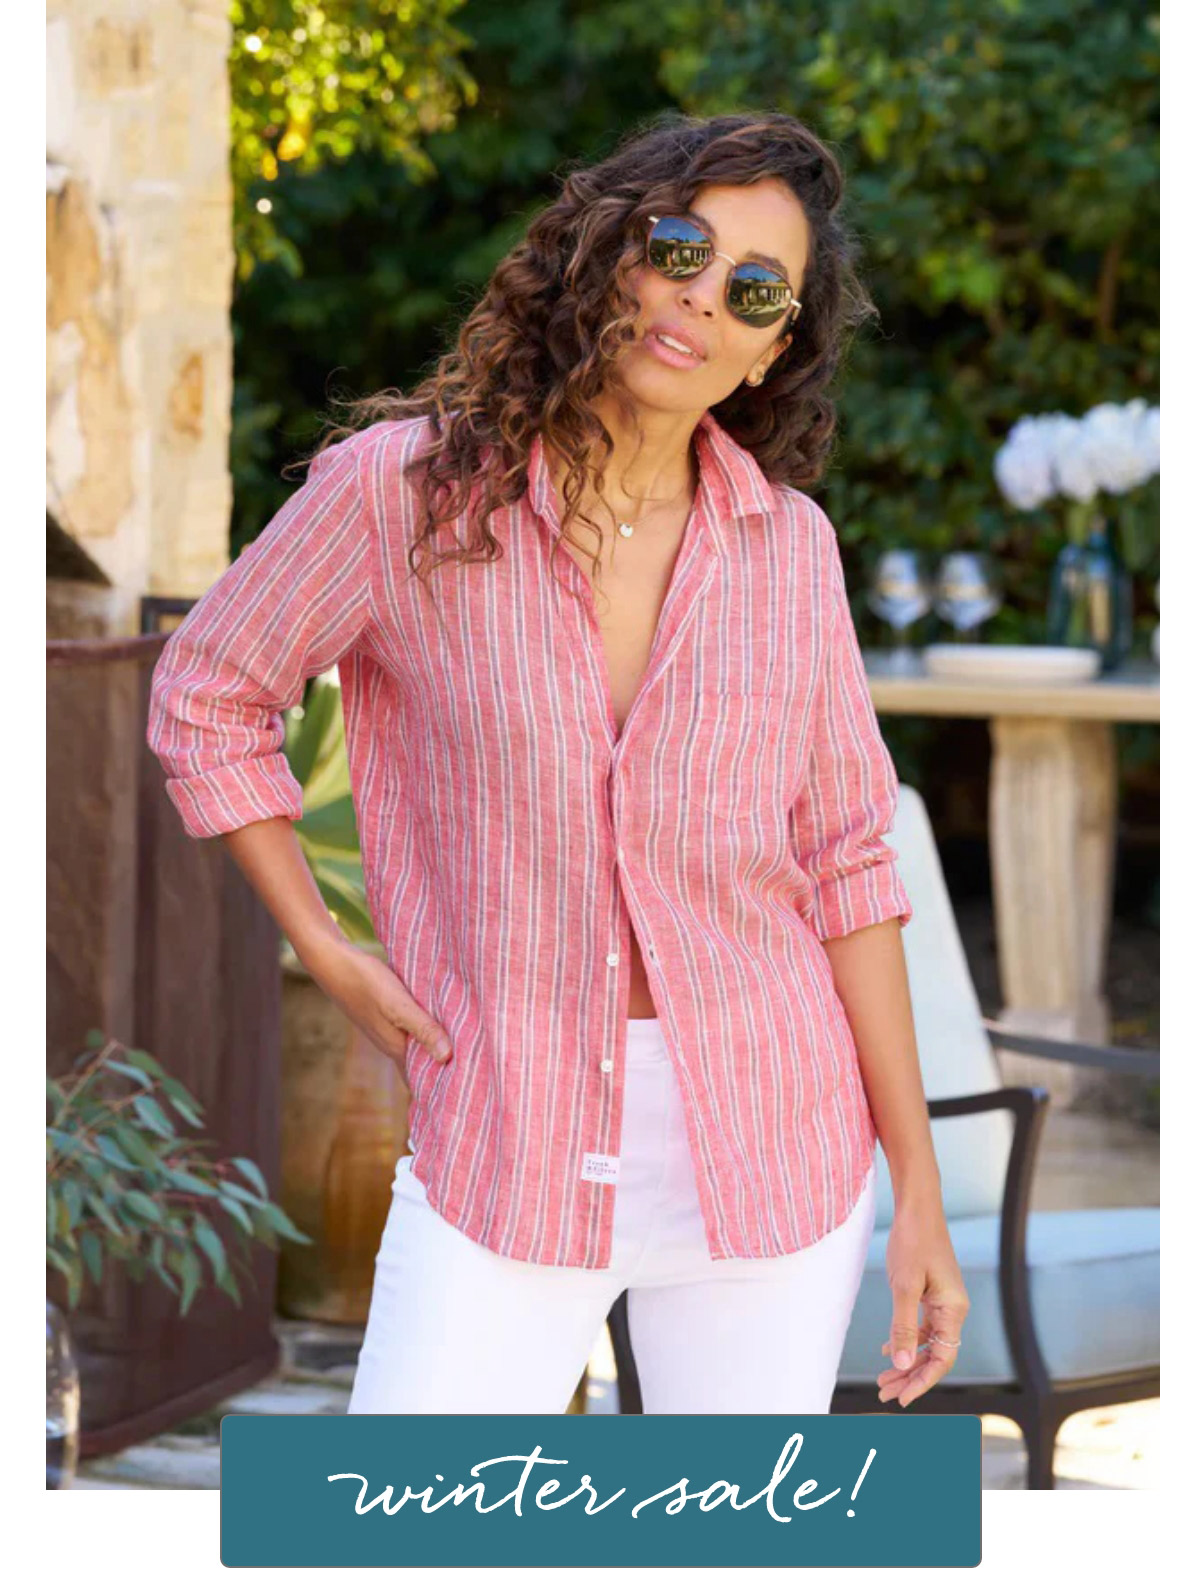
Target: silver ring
(949, 1343)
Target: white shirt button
(613, 959)
(606, 1064)
(621, 857)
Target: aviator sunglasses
(755, 294)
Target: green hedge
(1002, 160)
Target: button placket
(613, 960)
(648, 949)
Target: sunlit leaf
(249, 1169)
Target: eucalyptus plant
(123, 1182)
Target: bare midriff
(629, 594)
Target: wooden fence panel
(156, 939)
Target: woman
(621, 807)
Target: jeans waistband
(644, 1041)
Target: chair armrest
(1029, 1106)
(1124, 1060)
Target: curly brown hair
(540, 344)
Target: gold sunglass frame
(793, 308)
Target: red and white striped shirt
(510, 838)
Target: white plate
(993, 665)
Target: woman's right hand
(361, 983)
(371, 995)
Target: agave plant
(315, 747)
(123, 1182)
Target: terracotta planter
(344, 1128)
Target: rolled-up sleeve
(293, 603)
(851, 789)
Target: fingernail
(443, 1048)
(904, 1359)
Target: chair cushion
(1094, 1288)
(955, 1050)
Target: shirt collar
(732, 485)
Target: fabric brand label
(600, 1168)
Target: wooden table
(1052, 819)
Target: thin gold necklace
(626, 527)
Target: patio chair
(1064, 1304)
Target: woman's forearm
(362, 985)
(872, 981)
(269, 855)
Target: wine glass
(966, 591)
(899, 593)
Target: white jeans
(454, 1328)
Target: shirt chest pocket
(740, 756)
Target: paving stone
(1106, 1449)
(168, 1462)
(316, 1348)
(601, 1397)
(337, 1376)
(1089, 1159)
(280, 1397)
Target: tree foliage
(312, 83)
(391, 263)
(1001, 159)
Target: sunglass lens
(678, 248)
(757, 296)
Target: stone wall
(139, 283)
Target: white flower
(1115, 446)
(1025, 463)
(1147, 432)
(1075, 466)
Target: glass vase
(1091, 597)
(62, 1402)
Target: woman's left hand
(922, 1271)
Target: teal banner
(717, 1491)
